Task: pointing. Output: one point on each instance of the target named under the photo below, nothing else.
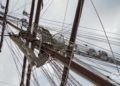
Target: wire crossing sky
(54, 10)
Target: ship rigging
(40, 47)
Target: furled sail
(29, 53)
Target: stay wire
(65, 15)
(43, 13)
(14, 60)
(79, 26)
(89, 28)
(105, 33)
(21, 64)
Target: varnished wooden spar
(80, 69)
(4, 23)
(109, 59)
(96, 78)
(69, 51)
(37, 15)
(29, 53)
(27, 43)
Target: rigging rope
(47, 8)
(105, 33)
(65, 16)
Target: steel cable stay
(116, 43)
(58, 76)
(66, 9)
(13, 56)
(100, 39)
(16, 4)
(66, 32)
(14, 52)
(48, 77)
(18, 9)
(49, 80)
(56, 68)
(89, 43)
(18, 57)
(98, 64)
(15, 47)
(81, 27)
(71, 79)
(18, 61)
(98, 68)
(47, 7)
(105, 33)
(59, 73)
(21, 64)
(101, 69)
(26, 4)
(52, 75)
(70, 41)
(80, 40)
(36, 78)
(116, 34)
(83, 51)
(96, 35)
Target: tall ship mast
(49, 56)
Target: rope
(105, 33)
(65, 15)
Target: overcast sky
(108, 11)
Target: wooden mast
(27, 43)
(4, 24)
(39, 4)
(79, 69)
(69, 51)
(88, 73)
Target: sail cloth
(46, 35)
(57, 41)
(29, 53)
